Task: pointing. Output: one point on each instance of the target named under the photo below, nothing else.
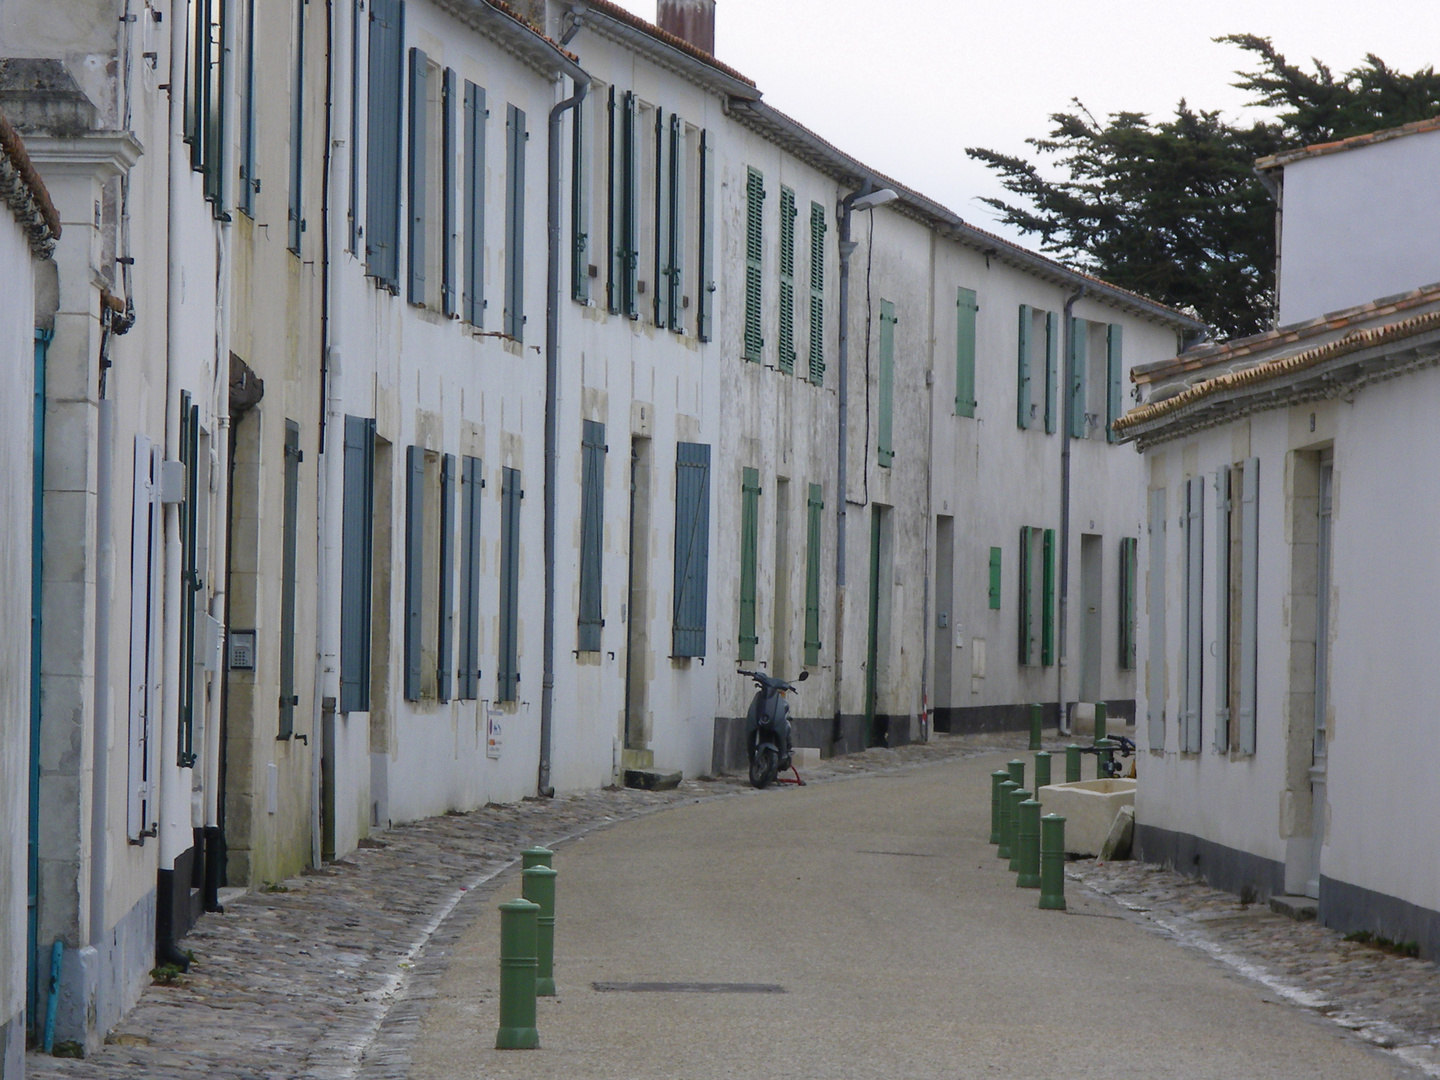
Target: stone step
(1299, 908)
(652, 779)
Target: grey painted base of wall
(101, 982)
(1347, 908)
(727, 753)
(973, 719)
(1220, 866)
(12, 1048)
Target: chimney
(690, 20)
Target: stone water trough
(1089, 808)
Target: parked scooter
(767, 728)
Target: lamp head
(874, 199)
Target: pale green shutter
(749, 537)
(473, 305)
(592, 531)
(965, 312)
(754, 235)
(1079, 360)
(814, 507)
(995, 558)
(1224, 676)
(1249, 600)
(414, 565)
(515, 136)
(1047, 602)
(446, 645)
(1155, 616)
(1022, 370)
(1026, 615)
(706, 285)
(692, 548)
(580, 139)
(1129, 550)
(1113, 367)
(288, 540)
(787, 281)
(211, 131)
(817, 293)
(415, 237)
(1052, 349)
(884, 408)
(1194, 536)
(357, 512)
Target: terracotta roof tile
(618, 13)
(30, 197)
(1285, 157)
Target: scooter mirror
(803, 676)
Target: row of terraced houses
(418, 403)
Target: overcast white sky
(906, 85)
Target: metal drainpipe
(104, 578)
(552, 404)
(847, 248)
(1066, 438)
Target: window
(295, 216)
(146, 575)
(749, 538)
(1035, 367)
(1037, 596)
(1193, 537)
(787, 280)
(692, 548)
(817, 293)
(995, 558)
(472, 484)
(515, 139)
(1095, 390)
(204, 92)
(1155, 612)
(1129, 555)
(885, 441)
(709, 182)
(965, 310)
(509, 643)
(472, 304)
(592, 532)
(754, 252)
(288, 536)
(357, 513)
(386, 64)
(670, 195)
(624, 200)
(814, 507)
(419, 128)
(1236, 580)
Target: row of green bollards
(527, 952)
(1034, 846)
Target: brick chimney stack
(690, 20)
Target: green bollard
(1072, 764)
(1017, 772)
(998, 777)
(1007, 835)
(1018, 796)
(1104, 758)
(1034, 727)
(1099, 720)
(536, 856)
(1029, 841)
(1042, 771)
(539, 888)
(517, 976)
(1052, 862)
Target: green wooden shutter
(468, 666)
(1026, 614)
(815, 505)
(1194, 670)
(288, 540)
(660, 299)
(515, 137)
(995, 558)
(885, 396)
(445, 646)
(414, 565)
(1113, 368)
(709, 182)
(475, 114)
(385, 94)
(357, 512)
(1224, 676)
(508, 659)
(630, 255)
(1129, 566)
(592, 532)
(1047, 602)
(675, 316)
(787, 281)
(692, 549)
(749, 538)
(1155, 617)
(1022, 370)
(415, 237)
(580, 141)
(448, 226)
(1249, 599)
(817, 293)
(1052, 349)
(1079, 360)
(754, 252)
(965, 313)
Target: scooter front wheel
(764, 765)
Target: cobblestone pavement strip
(330, 976)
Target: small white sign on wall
(494, 733)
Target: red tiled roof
(618, 13)
(1285, 157)
(14, 149)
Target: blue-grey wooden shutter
(295, 214)
(1223, 674)
(817, 293)
(1194, 614)
(1022, 370)
(631, 159)
(580, 139)
(676, 227)
(289, 536)
(357, 512)
(592, 533)
(445, 647)
(508, 659)
(749, 545)
(414, 565)
(1079, 360)
(1052, 349)
(515, 137)
(1155, 614)
(615, 205)
(885, 393)
(709, 182)
(660, 301)
(448, 225)
(382, 171)
(754, 253)
(787, 280)
(1113, 371)
(473, 306)
(692, 548)
(965, 313)
(1026, 612)
(815, 506)
(1249, 599)
(249, 179)
(468, 665)
(415, 237)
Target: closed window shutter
(692, 548)
(190, 574)
(754, 252)
(508, 660)
(1052, 349)
(382, 157)
(1022, 370)
(296, 213)
(1194, 620)
(1155, 613)
(249, 178)
(446, 644)
(1113, 370)
(661, 277)
(144, 541)
(1223, 675)
(614, 203)
(448, 225)
(357, 512)
(678, 189)
(1079, 360)
(475, 114)
(414, 565)
(415, 238)
(630, 250)
(471, 485)
(965, 313)
(1027, 635)
(580, 142)
(749, 538)
(289, 529)
(1249, 600)
(1129, 547)
(885, 395)
(706, 285)
(995, 559)
(515, 137)
(817, 293)
(814, 507)
(787, 281)
(592, 531)
(1047, 602)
